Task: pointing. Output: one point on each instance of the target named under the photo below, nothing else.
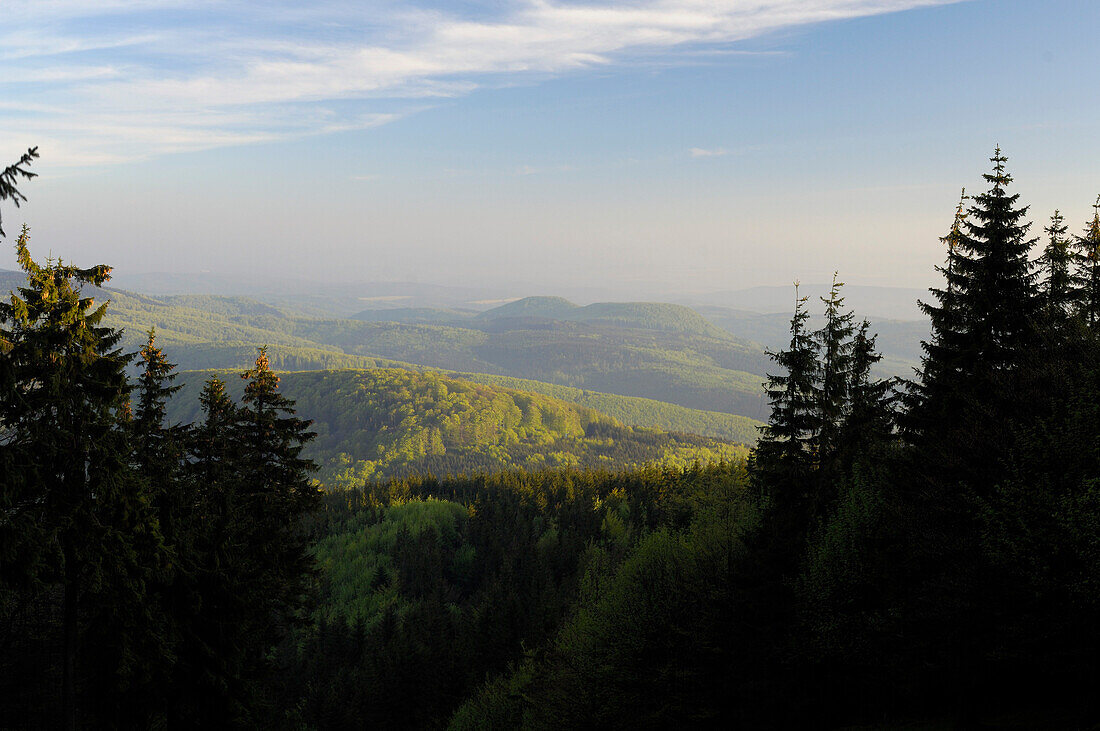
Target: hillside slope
(636, 411)
(635, 315)
(374, 424)
(684, 368)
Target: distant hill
(379, 423)
(713, 373)
(639, 315)
(705, 359)
(184, 321)
(323, 299)
(554, 308)
(416, 315)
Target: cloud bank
(105, 82)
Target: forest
(386, 422)
(179, 550)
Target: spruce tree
(209, 685)
(834, 342)
(783, 459)
(157, 446)
(1088, 269)
(158, 455)
(869, 418)
(1056, 271)
(275, 496)
(940, 363)
(962, 420)
(214, 449)
(982, 324)
(1000, 293)
(65, 424)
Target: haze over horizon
(623, 147)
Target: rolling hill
(635, 315)
(711, 360)
(379, 423)
(686, 368)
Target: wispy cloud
(711, 152)
(118, 80)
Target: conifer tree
(65, 426)
(157, 446)
(1000, 293)
(940, 362)
(869, 418)
(834, 341)
(1088, 269)
(984, 319)
(158, 455)
(782, 460)
(213, 445)
(209, 682)
(1056, 271)
(275, 495)
(954, 236)
(963, 419)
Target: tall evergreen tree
(954, 236)
(157, 446)
(983, 322)
(1056, 271)
(1088, 269)
(783, 458)
(1000, 291)
(209, 686)
(834, 342)
(213, 444)
(940, 363)
(276, 495)
(869, 418)
(72, 479)
(158, 451)
(962, 420)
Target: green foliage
(833, 391)
(1056, 268)
(429, 584)
(783, 458)
(635, 411)
(360, 578)
(386, 422)
(846, 565)
(645, 646)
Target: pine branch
(12, 175)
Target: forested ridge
(381, 423)
(892, 552)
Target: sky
(645, 148)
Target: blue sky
(646, 147)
